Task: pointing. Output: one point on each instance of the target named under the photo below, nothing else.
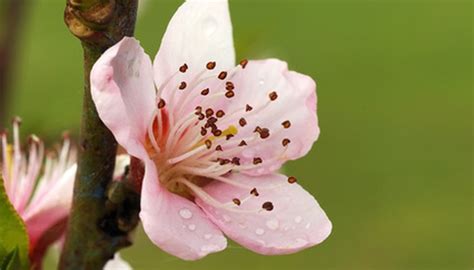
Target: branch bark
(96, 225)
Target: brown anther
(208, 144)
(201, 116)
(236, 201)
(219, 148)
(16, 120)
(244, 63)
(229, 86)
(242, 122)
(267, 206)
(285, 141)
(211, 65)
(291, 179)
(203, 131)
(236, 161)
(257, 160)
(182, 85)
(161, 103)
(286, 124)
(205, 92)
(222, 75)
(217, 132)
(183, 68)
(264, 133)
(248, 108)
(220, 113)
(242, 143)
(254, 192)
(198, 108)
(209, 112)
(257, 129)
(273, 95)
(212, 120)
(230, 94)
(228, 136)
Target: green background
(393, 165)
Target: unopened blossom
(39, 188)
(212, 135)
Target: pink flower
(212, 136)
(42, 200)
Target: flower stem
(94, 232)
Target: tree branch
(96, 225)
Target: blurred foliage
(393, 165)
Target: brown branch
(96, 225)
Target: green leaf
(11, 261)
(13, 235)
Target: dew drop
(259, 231)
(185, 213)
(272, 224)
(299, 243)
(207, 236)
(261, 81)
(209, 248)
(192, 227)
(209, 26)
(298, 219)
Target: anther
(217, 132)
(220, 113)
(182, 85)
(254, 192)
(257, 160)
(208, 144)
(16, 120)
(222, 75)
(248, 108)
(183, 68)
(286, 124)
(267, 206)
(211, 65)
(209, 112)
(285, 141)
(201, 116)
(205, 92)
(219, 148)
(161, 103)
(244, 63)
(291, 179)
(257, 129)
(273, 95)
(229, 94)
(229, 136)
(198, 108)
(236, 201)
(229, 86)
(203, 131)
(264, 133)
(242, 122)
(236, 161)
(242, 143)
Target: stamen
(267, 206)
(273, 96)
(222, 75)
(254, 192)
(211, 65)
(286, 124)
(182, 85)
(205, 92)
(292, 180)
(285, 141)
(242, 122)
(244, 63)
(236, 201)
(183, 68)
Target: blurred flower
(211, 137)
(41, 195)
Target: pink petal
(295, 223)
(199, 32)
(124, 94)
(175, 224)
(295, 101)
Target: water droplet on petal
(209, 26)
(207, 236)
(261, 81)
(272, 224)
(298, 219)
(259, 231)
(185, 213)
(299, 243)
(209, 248)
(192, 227)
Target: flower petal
(175, 224)
(281, 101)
(123, 91)
(117, 263)
(296, 221)
(199, 32)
